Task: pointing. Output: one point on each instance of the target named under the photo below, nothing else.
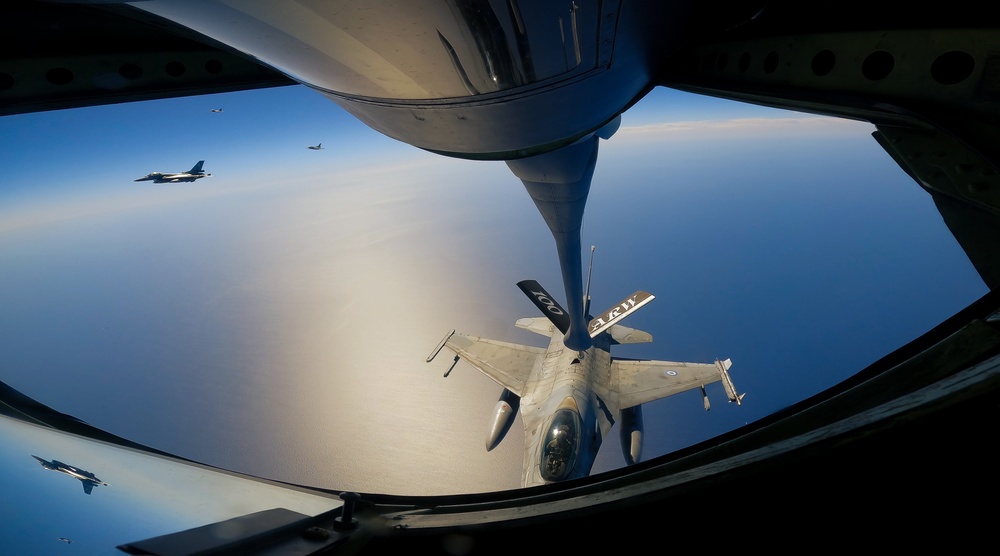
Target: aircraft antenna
(586, 295)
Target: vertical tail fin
(546, 304)
(624, 308)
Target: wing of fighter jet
(507, 364)
(640, 382)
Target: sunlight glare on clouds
(354, 261)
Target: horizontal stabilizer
(546, 304)
(625, 335)
(624, 308)
(538, 325)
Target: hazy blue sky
(274, 318)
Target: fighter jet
(88, 479)
(569, 399)
(318, 147)
(193, 174)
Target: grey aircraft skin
(195, 173)
(88, 479)
(568, 399)
(523, 82)
(317, 147)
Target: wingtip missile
(727, 381)
(440, 345)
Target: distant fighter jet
(318, 147)
(191, 175)
(88, 479)
(569, 399)
(216, 110)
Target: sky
(274, 318)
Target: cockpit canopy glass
(561, 445)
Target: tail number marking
(550, 305)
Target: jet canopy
(561, 445)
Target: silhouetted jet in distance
(569, 399)
(191, 175)
(318, 147)
(216, 110)
(88, 479)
